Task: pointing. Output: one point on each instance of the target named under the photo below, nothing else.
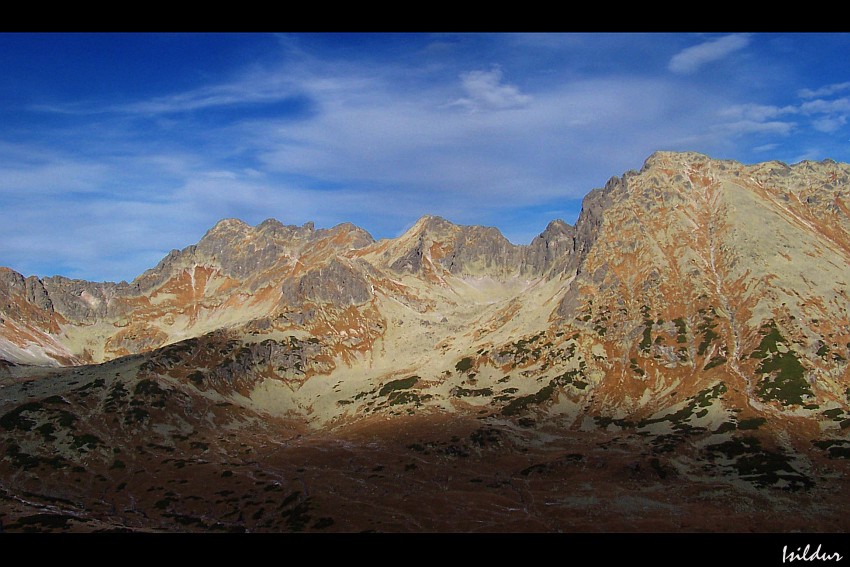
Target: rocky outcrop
(434, 242)
(235, 247)
(24, 300)
(241, 250)
(592, 213)
(551, 250)
(336, 282)
(173, 262)
(37, 294)
(81, 301)
(483, 250)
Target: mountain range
(677, 358)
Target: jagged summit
(431, 222)
(229, 224)
(659, 213)
(666, 158)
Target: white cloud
(756, 112)
(821, 106)
(222, 174)
(824, 91)
(826, 116)
(744, 119)
(765, 148)
(485, 91)
(742, 127)
(689, 60)
(829, 124)
(254, 87)
(829, 115)
(61, 175)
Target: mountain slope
(690, 331)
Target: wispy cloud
(827, 90)
(486, 91)
(821, 114)
(251, 90)
(757, 112)
(820, 106)
(61, 175)
(744, 119)
(831, 124)
(765, 148)
(690, 59)
(828, 115)
(743, 127)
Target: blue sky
(116, 148)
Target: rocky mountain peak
(434, 243)
(242, 250)
(230, 229)
(347, 233)
(556, 227)
(552, 249)
(270, 225)
(429, 225)
(233, 223)
(677, 160)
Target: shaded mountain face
(688, 338)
